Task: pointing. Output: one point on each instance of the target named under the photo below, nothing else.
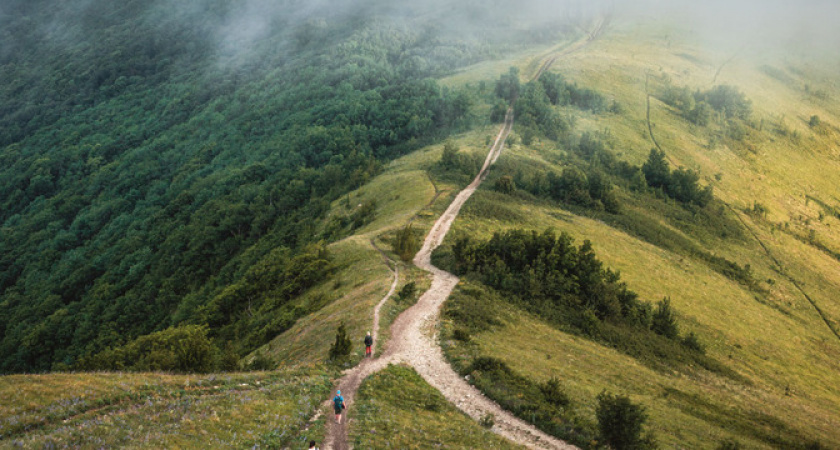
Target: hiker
(338, 405)
(368, 344)
(312, 446)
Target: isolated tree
(620, 423)
(656, 169)
(405, 243)
(664, 320)
(342, 346)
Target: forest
(160, 167)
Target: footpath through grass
(397, 409)
(141, 410)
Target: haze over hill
(195, 187)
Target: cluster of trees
(551, 276)
(148, 171)
(680, 184)
(569, 287)
(723, 102)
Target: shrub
(261, 361)
(621, 423)
(487, 421)
(553, 393)
(185, 349)
(505, 184)
(664, 320)
(342, 346)
(405, 244)
(229, 359)
(691, 342)
(407, 291)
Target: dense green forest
(164, 164)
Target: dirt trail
(413, 340)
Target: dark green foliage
(534, 113)
(700, 107)
(261, 361)
(405, 243)
(407, 291)
(728, 100)
(229, 359)
(560, 92)
(342, 346)
(692, 342)
(621, 423)
(814, 121)
(553, 392)
(463, 166)
(568, 287)
(681, 184)
(505, 184)
(448, 157)
(548, 272)
(543, 404)
(507, 86)
(184, 349)
(664, 321)
(146, 163)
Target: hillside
(242, 193)
(163, 165)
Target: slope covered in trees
(164, 165)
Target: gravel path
(413, 340)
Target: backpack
(338, 401)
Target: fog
(795, 28)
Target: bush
(184, 349)
(664, 320)
(261, 361)
(554, 394)
(691, 342)
(621, 423)
(407, 291)
(405, 244)
(487, 421)
(229, 359)
(342, 346)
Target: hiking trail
(413, 334)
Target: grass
(141, 410)
(396, 408)
(774, 340)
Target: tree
(405, 243)
(620, 423)
(507, 87)
(505, 184)
(448, 159)
(342, 346)
(664, 320)
(656, 169)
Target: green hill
(198, 188)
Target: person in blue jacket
(338, 406)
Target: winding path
(413, 339)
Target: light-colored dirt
(413, 339)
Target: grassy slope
(162, 411)
(403, 192)
(776, 342)
(397, 409)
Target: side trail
(413, 339)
